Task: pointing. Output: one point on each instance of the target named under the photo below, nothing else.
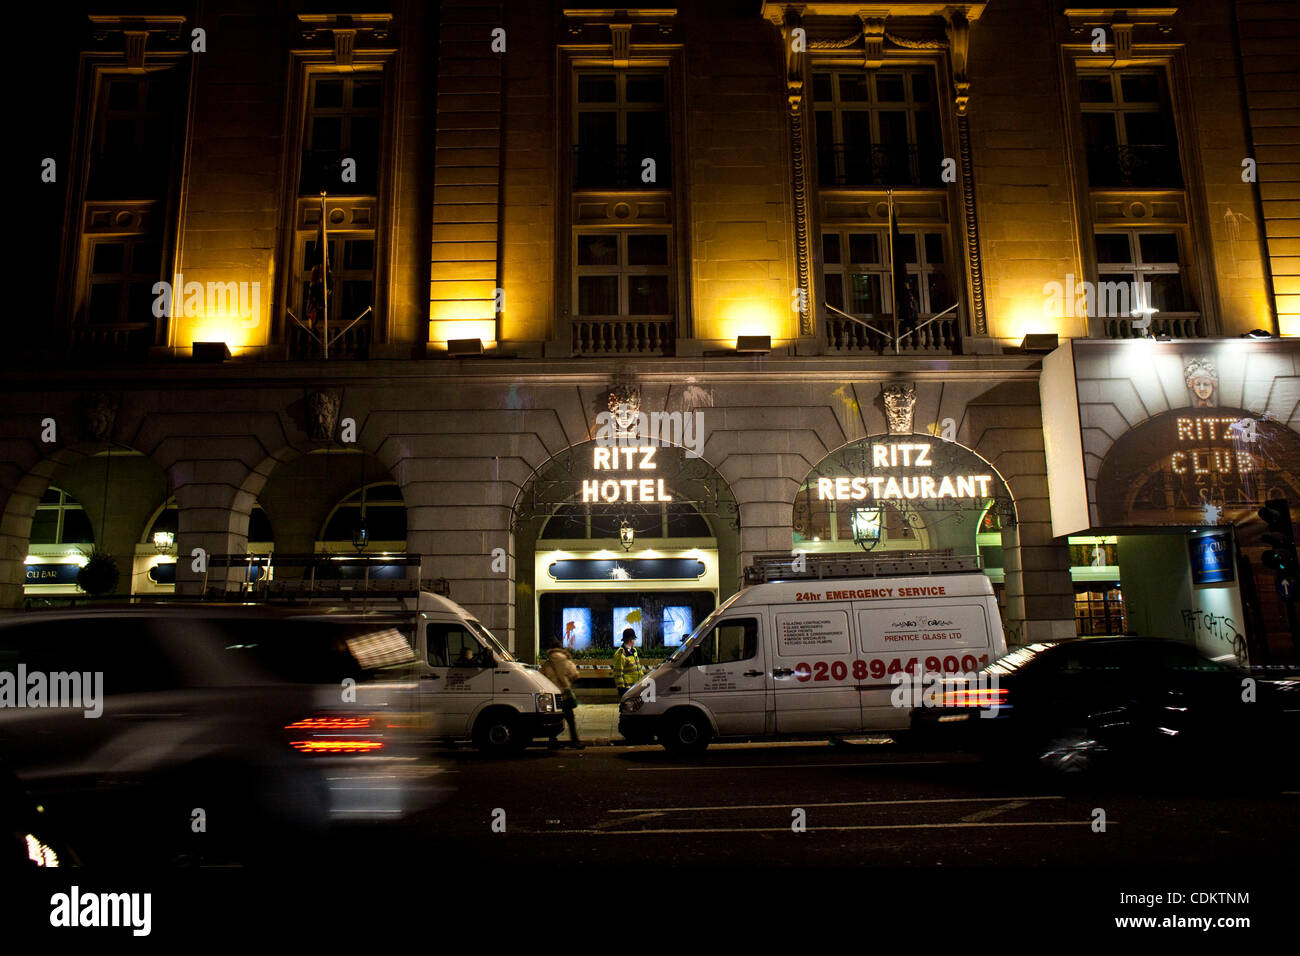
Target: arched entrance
(610, 538)
(907, 493)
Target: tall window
(620, 134)
(134, 148)
(1128, 130)
(623, 274)
(877, 128)
(340, 156)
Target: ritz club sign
(885, 486)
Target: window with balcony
(1128, 130)
(1140, 285)
(621, 132)
(856, 273)
(340, 157)
(623, 291)
(877, 128)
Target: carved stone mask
(900, 402)
(322, 414)
(625, 406)
(99, 411)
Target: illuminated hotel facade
(971, 277)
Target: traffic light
(1280, 538)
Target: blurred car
(1103, 702)
(209, 731)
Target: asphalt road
(861, 804)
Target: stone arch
(558, 479)
(117, 501)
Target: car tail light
(976, 697)
(336, 734)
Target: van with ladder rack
(820, 645)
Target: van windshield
(703, 627)
(486, 635)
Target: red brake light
(335, 734)
(976, 697)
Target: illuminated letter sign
(912, 487)
(615, 490)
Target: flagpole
(893, 281)
(325, 272)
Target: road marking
(992, 811)
(849, 803)
(799, 766)
(786, 829)
(639, 816)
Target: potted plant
(99, 575)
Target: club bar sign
(886, 485)
(636, 460)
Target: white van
(816, 651)
(471, 686)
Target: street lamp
(626, 535)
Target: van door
(903, 643)
(727, 674)
(458, 679)
(812, 671)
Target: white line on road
(786, 829)
(798, 766)
(987, 812)
(850, 803)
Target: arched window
(377, 509)
(60, 519)
(674, 519)
(167, 519)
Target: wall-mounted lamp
(753, 344)
(1039, 342)
(626, 535)
(866, 527)
(462, 347)
(360, 538)
(1257, 334)
(210, 351)
(163, 541)
(1163, 337)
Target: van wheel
(498, 732)
(686, 732)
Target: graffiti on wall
(1209, 631)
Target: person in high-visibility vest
(627, 665)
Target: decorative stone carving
(322, 414)
(98, 413)
(624, 403)
(900, 403)
(1202, 380)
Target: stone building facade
(527, 204)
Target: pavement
(597, 724)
